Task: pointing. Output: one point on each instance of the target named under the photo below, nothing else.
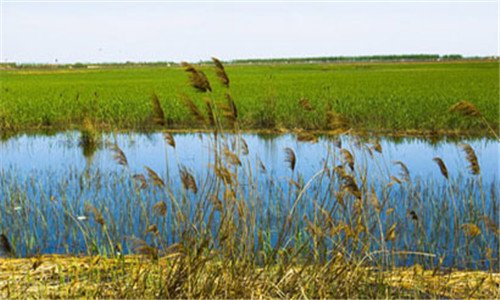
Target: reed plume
(195, 111)
(140, 246)
(197, 79)
(160, 208)
(153, 228)
(223, 173)
(231, 158)
(466, 109)
(340, 171)
(210, 112)
(229, 110)
(155, 178)
(158, 114)
(376, 146)
(290, 158)
(442, 166)
(118, 154)
(169, 138)
(244, 146)
(306, 105)
(373, 199)
(471, 230)
(349, 184)
(391, 233)
(221, 72)
(471, 157)
(95, 213)
(405, 173)
(348, 158)
(188, 180)
(142, 180)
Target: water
(62, 151)
(36, 169)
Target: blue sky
(117, 32)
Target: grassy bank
(63, 277)
(375, 97)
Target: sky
(90, 32)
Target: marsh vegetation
(232, 227)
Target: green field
(375, 97)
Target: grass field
(377, 97)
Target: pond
(53, 185)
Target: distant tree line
(321, 59)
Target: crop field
(374, 97)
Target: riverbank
(132, 276)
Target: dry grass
(58, 277)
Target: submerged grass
(234, 230)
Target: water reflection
(35, 170)
(63, 150)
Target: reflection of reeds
(290, 158)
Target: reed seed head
(405, 173)
(221, 72)
(95, 213)
(471, 157)
(466, 109)
(169, 138)
(442, 166)
(188, 180)
(347, 158)
(197, 79)
(158, 114)
(195, 111)
(155, 178)
(160, 208)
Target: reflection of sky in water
(60, 151)
(48, 159)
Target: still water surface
(37, 168)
